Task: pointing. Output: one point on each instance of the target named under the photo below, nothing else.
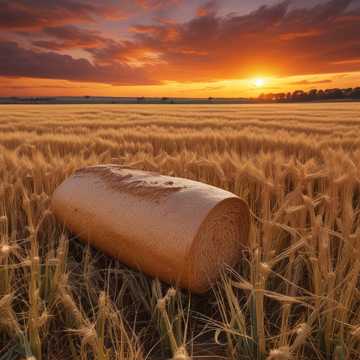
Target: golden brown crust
(179, 230)
(120, 178)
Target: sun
(259, 82)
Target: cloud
(156, 4)
(20, 62)
(208, 9)
(311, 82)
(298, 35)
(30, 87)
(347, 62)
(35, 14)
(69, 37)
(212, 88)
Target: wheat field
(294, 295)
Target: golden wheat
(296, 293)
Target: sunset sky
(183, 48)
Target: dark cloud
(19, 62)
(309, 82)
(36, 14)
(70, 37)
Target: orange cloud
(299, 35)
(207, 9)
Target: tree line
(312, 95)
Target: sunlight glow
(259, 82)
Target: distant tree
(311, 95)
(347, 92)
(355, 94)
(299, 95)
(269, 97)
(279, 97)
(321, 94)
(334, 93)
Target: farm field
(295, 293)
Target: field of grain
(295, 294)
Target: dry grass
(294, 296)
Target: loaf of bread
(178, 230)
